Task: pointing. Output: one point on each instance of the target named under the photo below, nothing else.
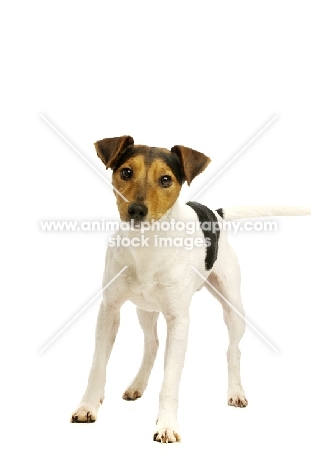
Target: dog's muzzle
(137, 211)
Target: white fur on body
(163, 280)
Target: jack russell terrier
(158, 279)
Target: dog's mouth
(135, 224)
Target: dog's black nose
(137, 211)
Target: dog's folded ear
(193, 162)
(109, 149)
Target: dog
(147, 183)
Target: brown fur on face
(148, 165)
(144, 187)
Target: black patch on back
(220, 211)
(150, 154)
(212, 235)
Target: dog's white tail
(238, 212)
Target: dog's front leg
(106, 330)
(176, 343)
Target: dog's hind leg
(225, 286)
(148, 323)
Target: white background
(208, 75)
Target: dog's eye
(166, 181)
(126, 173)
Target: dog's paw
(238, 400)
(131, 395)
(166, 434)
(134, 391)
(85, 413)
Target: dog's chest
(146, 278)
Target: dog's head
(149, 178)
